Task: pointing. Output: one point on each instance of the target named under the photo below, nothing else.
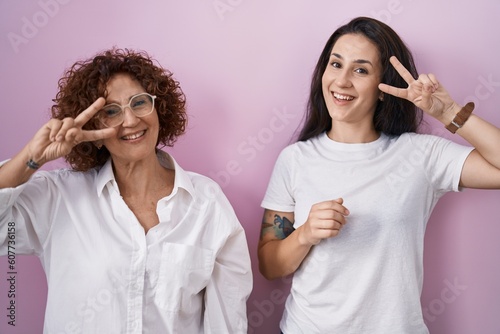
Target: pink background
(245, 67)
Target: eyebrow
(357, 61)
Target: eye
(335, 64)
(361, 71)
(139, 102)
(111, 111)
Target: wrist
(33, 159)
(302, 237)
(447, 115)
(460, 116)
(29, 159)
(32, 164)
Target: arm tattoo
(282, 227)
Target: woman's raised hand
(425, 92)
(57, 137)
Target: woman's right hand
(325, 220)
(57, 137)
(282, 248)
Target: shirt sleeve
(231, 281)
(24, 212)
(279, 195)
(444, 162)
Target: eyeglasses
(112, 115)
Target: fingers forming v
(85, 116)
(54, 125)
(403, 72)
(88, 113)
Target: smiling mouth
(343, 97)
(134, 135)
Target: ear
(381, 97)
(98, 144)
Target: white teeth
(343, 97)
(134, 136)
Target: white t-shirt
(191, 273)
(368, 279)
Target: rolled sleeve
(228, 290)
(26, 208)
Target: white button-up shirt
(189, 274)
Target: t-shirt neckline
(331, 144)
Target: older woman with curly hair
(129, 241)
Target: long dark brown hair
(86, 81)
(393, 116)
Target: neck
(138, 179)
(353, 134)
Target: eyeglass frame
(122, 108)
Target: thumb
(340, 201)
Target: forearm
(16, 172)
(280, 258)
(483, 136)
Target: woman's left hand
(425, 92)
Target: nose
(129, 118)
(343, 78)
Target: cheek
(371, 91)
(109, 142)
(325, 85)
(155, 125)
(376, 94)
(157, 122)
(325, 80)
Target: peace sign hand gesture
(425, 92)
(58, 137)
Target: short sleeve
(444, 162)
(279, 195)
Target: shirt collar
(182, 180)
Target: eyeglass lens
(112, 114)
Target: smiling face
(350, 81)
(136, 137)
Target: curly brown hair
(86, 81)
